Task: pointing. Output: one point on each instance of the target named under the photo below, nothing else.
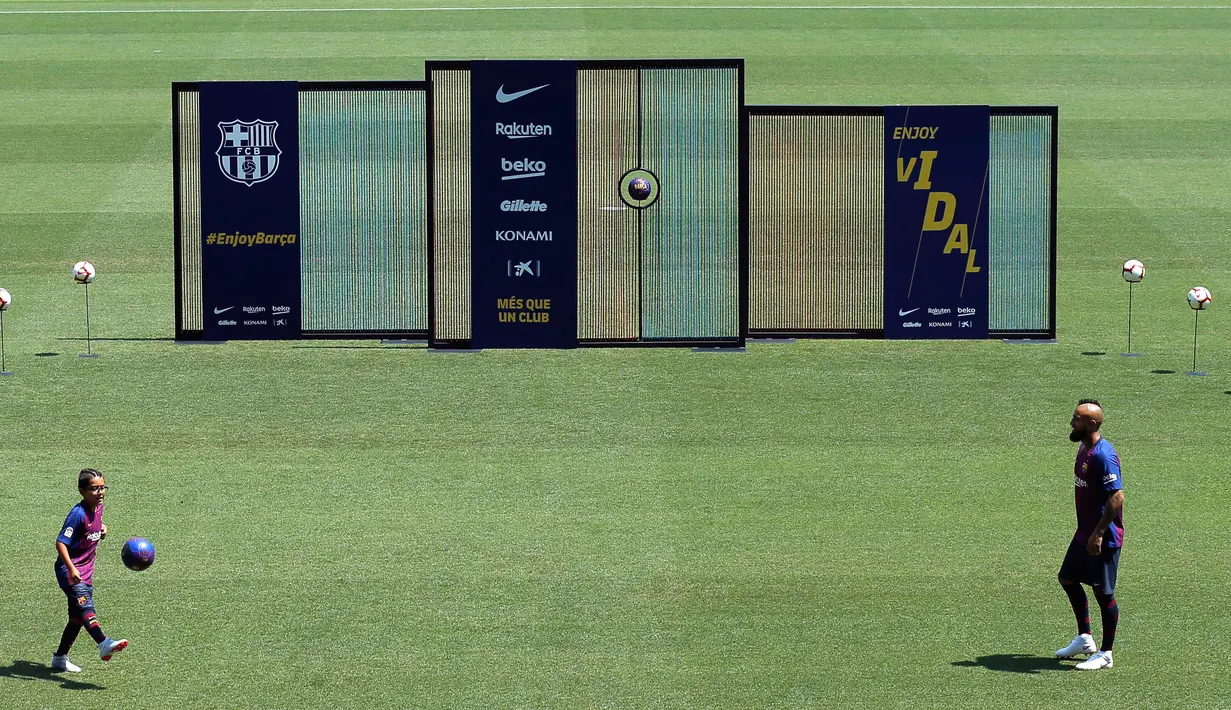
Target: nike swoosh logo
(218, 311)
(906, 313)
(505, 98)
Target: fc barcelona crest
(249, 150)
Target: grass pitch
(826, 524)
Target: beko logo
(523, 168)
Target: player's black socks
(96, 632)
(71, 630)
(1111, 617)
(1081, 606)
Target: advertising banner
(936, 221)
(524, 204)
(250, 210)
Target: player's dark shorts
(80, 595)
(1098, 571)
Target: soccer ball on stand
(1133, 271)
(1199, 298)
(83, 272)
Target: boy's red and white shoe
(109, 648)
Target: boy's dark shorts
(80, 595)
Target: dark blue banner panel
(936, 221)
(250, 210)
(524, 204)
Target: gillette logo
(523, 206)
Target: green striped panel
(363, 210)
(690, 236)
(1019, 255)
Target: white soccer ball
(83, 272)
(1133, 271)
(6, 299)
(1199, 298)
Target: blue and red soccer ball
(137, 553)
(639, 188)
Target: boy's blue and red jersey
(1096, 476)
(80, 533)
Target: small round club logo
(639, 188)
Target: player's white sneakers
(1084, 643)
(109, 648)
(1102, 659)
(61, 664)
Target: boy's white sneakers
(1083, 644)
(1102, 659)
(61, 664)
(109, 648)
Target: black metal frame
(742, 173)
(805, 110)
(304, 86)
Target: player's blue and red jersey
(80, 533)
(1096, 476)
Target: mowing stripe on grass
(520, 8)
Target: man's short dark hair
(86, 475)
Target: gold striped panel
(816, 223)
(451, 203)
(608, 279)
(189, 197)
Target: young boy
(75, 548)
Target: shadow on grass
(1093, 353)
(29, 670)
(359, 347)
(1015, 663)
(114, 340)
(45, 354)
(1162, 372)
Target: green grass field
(824, 524)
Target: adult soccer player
(75, 548)
(1094, 554)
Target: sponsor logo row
(962, 314)
(938, 324)
(273, 315)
